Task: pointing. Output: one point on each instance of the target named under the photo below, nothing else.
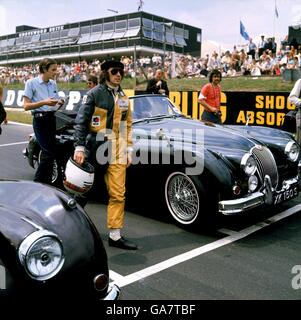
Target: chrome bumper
(266, 196)
(113, 293)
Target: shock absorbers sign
(264, 109)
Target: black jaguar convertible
(197, 168)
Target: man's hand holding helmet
(79, 156)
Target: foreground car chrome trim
(113, 293)
(266, 196)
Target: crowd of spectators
(248, 60)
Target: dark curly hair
(214, 72)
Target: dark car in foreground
(49, 247)
(199, 169)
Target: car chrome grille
(266, 164)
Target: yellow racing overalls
(106, 117)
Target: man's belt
(216, 113)
(41, 114)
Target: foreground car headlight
(41, 254)
(248, 164)
(292, 151)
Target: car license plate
(286, 195)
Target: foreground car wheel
(182, 198)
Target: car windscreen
(152, 106)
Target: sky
(218, 19)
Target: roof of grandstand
(126, 34)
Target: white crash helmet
(78, 179)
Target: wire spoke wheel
(55, 172)
(182, 198)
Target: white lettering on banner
(84, 99)
(30, 33)
(74, 98)
(2, 278)
(40, 31)
(10, 98)
(57, 28)
(20, 98)
(14, 98)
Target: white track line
(139, 275)
(12, 144)
(16, 143)
(114, 276)
(227, 231)
(20, 124)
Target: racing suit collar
(113, 89)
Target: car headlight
(248, 164)
(253, 183)
(292, 151)
(41, 254)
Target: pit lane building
(134, 34)
(294, 35)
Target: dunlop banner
(258, 108)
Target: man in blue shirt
(41, 97)
(2, 110)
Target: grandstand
(134, 34)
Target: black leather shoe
(122, 243)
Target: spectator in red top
(210, 98)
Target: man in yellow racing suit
(103, 127)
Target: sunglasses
(114, 71)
